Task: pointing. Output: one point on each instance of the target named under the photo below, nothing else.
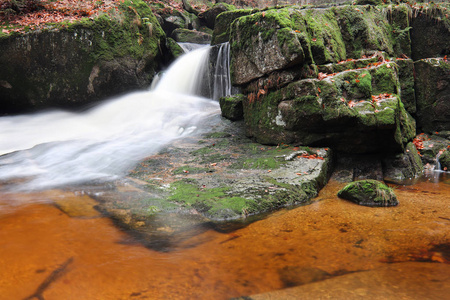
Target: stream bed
(331, 248)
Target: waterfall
(222, 83)
(51, 149)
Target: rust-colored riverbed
(47, 254)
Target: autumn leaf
(322, 76)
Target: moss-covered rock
(182, 35)
(406, 77)
(223, 21)
(71, 64)
(209, 16)
(223, 175)
(364, 28)
(231, 107)
(354, 111)
(430, 33)
(369, 193)
(444, 160)
(433, 94)
(264, 42)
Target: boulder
(444, 160)
(433, 94)
(209, 16)
(430, 33)
(369, 193)
(222, 24)
(354, 111)
(72, 64)
(231, 107)
(404, 166)
(191, 36)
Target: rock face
(433, 94)
(82, 62)
(369, 193)
(338, 77)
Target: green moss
(369, 193)
(325, 36)
(364, 28)
(213, 202)
(131, 31)
(203, 151)
(267, 163)
(174, 48)
(385, 80)
(217, 135)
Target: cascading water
(58, 148)
(222, 83)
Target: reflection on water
(50, 251)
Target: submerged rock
(369, 193)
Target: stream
(56, 245)
(332, 242)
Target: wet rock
(295, 276)
(231, 107)
(433, 94)
(240, 178)
(81, 62)
(369, 193)
(444, 160)
(190, 36)
(404, 166)
(374, 284)
(431, 147)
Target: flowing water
(57, 148)
(331, 249)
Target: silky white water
(57, 148)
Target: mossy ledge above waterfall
(72, 63)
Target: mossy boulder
(231, 107)
(223, 21)
(369, 193)
(209, 16)
(191, 36)
(444, 160)
(433, 94)
(72, 64)
(262, 43)
(353, 111)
